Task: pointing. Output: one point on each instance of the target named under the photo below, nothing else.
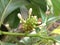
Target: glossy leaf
(7, 6)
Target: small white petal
(30, 11)
(21, 19)
(33, 32)
(7, 25)
(35, 17)
(19, 16)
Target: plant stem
(26, 35)
(19, 34)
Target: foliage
(57, 30)
(32, 31)
(56, 6)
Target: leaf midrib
(2, 18)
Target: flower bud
(30, 11)
(19, 16)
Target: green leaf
(8, 6)
(56, 5)
(3, 43)
(39, 4)
(56, 31)
(0, 32)
(52, 19)
(12, 19)
(35, 5)
(43, 16)
(57, 38)
(35, 9)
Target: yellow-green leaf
(57, 30)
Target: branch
(26, 35)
